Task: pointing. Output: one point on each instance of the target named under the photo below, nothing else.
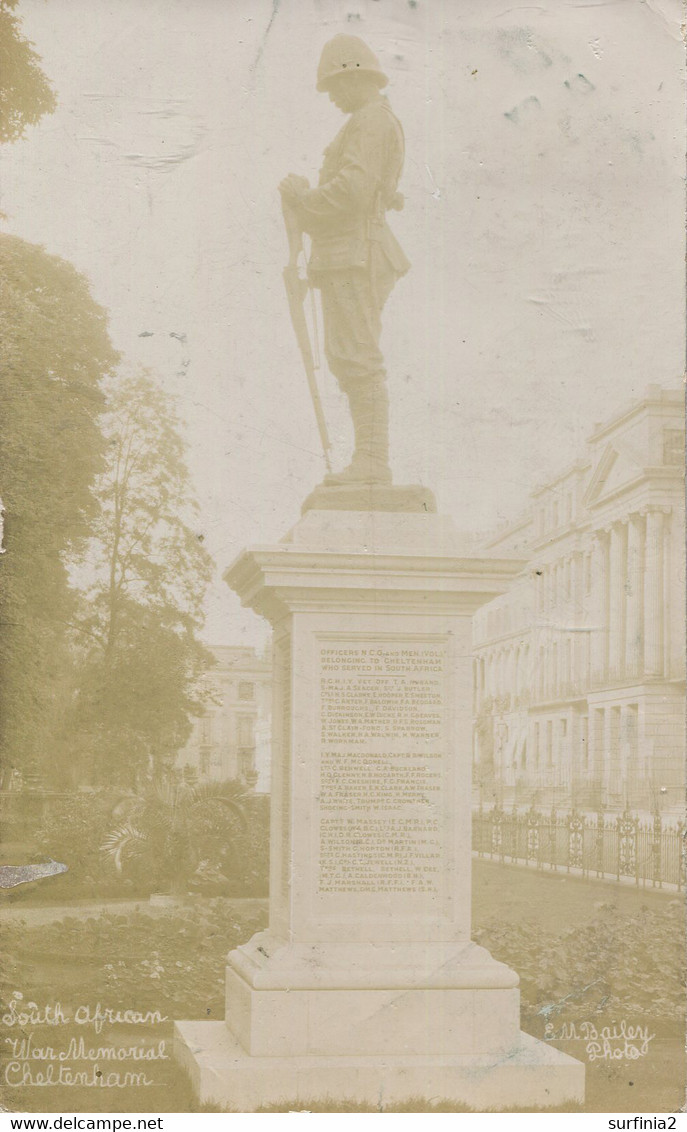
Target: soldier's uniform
(355, 261)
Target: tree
(25, 92)
(147, 574)
(55, 351)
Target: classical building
(579, 669)
(231, 738)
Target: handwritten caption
(60, 1065)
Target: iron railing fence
(651, 853)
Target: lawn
(588, 953)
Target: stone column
(616, 620)
(551, 665)
(596, 746)
(672, 572)
(599, 606)
(479, 683)
(538, 589)
(366, 983)
(607, 765)
(654, 611)
(578, 673)
(634, 642)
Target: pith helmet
(345, 55)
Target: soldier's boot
(370, 412)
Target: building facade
(231, 738)
(579, 668)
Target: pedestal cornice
(277, 580)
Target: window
(614, 753)
(564, 728)
(244, 731)
(599, 727)
(673, 446)
(549, 742)
(633, 771)
(588, 573)
(245, 763)
(246, 690)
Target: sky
(544, 219)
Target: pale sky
(544, 189)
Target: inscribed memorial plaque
(382, 767)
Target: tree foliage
(143, 601)
(175, 828)
(54, 351)
(25, 92)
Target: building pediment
(617, 467)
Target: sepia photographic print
(342, 586)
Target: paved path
(34, 914)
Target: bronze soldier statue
(355, 259)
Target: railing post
(575, 827)
(627, 863)
(656, 847)
(497, 833)
(532, 836)
(553, 838)
(600, 839)
(477, 829)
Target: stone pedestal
(370, 498)
(366, 985)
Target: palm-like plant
(172, 826)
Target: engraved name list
(383, 748)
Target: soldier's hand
(293, 187)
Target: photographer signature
(621, 1041)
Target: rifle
(296, 290)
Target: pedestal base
(355, 999)
(531, 1075)
(370, 498)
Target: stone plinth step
(532, 1074)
